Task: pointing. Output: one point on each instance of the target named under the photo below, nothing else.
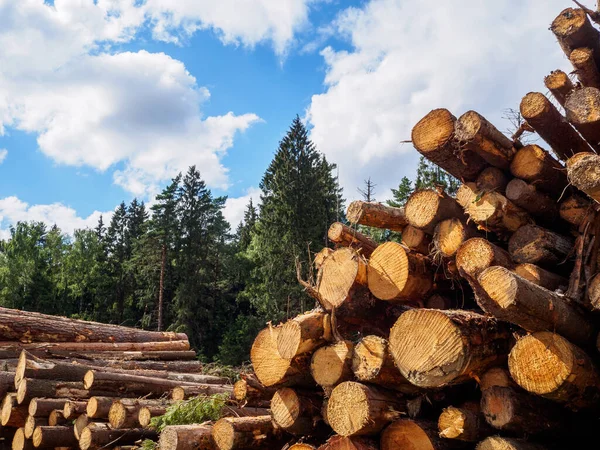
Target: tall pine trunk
(161, 286)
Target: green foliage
(237, 340)
(430, 175)
(195, 410)
(400, 195)
(148, 444)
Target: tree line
(177, 265)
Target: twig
(594, 15)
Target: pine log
(250, 391)
(357, 409)
(426, 208)
(345, 236)
(532, 307)
(332, 364)
(96, 437)
(466, 194)
(492, 179)
(146, 413)
(56, 418)
(51, 437)
(496, 376)
(478, 135)
(492, 211)
(593, 293)
(186, 437)
(536, 245)
(42, 407)
(477, 254)
(378, 215)
(12, 414)
(416, 240)
(503, 443)
(585, 67)
(99, 406)
(185, 392)
(31, 423)
(552, 127)
(6, 382)
(450, 234)
(167, 346)
(584, 174)
(297, 412)
(270, 368)
(349, 443)
(179, 366)
(575, 209)
(303, 334)
(541, 277)
(20, 442)
(73, 408)
(536, 203)
(463, 424)
(83, 422)
(536, 166)
(573, 29)
(321, 256)
(395, 275)
(31, 387)
(437, 301)
(433, 137)
(245, 433)
(301, 446)
(124, 413)
(560, 85)
(35, 327)
(412, 434)
(120, 356)
(546, 364)
(341, 272)
(583, 111)
(463, 343)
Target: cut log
(31, 387)
(412, 434)
(583, 111)
(532, 307)
(35, 327)
(395, 275)
(332, 364)
(56, 418)
(245, 432)
(342, 272)
(6, 382)
(478, 135)
(536, 245)
(496, 376)
(593, 293)
(536, 166)
(349, 443)
(296, 412)
(450, 234)
(31, 423)
(83, 422)
(12, 414)
(536, 203)
(301, 446)
(584, 174)
(426, 208)
(124, 413)
(492, 211)
(560, 85)
(357, 409)
(433, 137)
(434, 348)
(416, 240)
(52, 437)
(270, 368)
(463, 424)
(573, 29)
(122, 356)
(99, 406)
(503, 443)
(585, 67)
(477, 254)
(321, 256)
(575, 209)
(185, 392)
(146, 413)
(541, 277)
(376, 215)
(42, 407)
(182, 365)
(546, 364)
(96, 437)
(552, 127)
(303, 334)
(467, 193)
(167, 346)
(186, 437)
(345, 236)
(73, 408)
(249, 391)
(20, 442)
(373, 363)
(491, 179)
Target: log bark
(575, 209)
(321, 256)
(536, 166)
(541, 277)
(437, 301)
(584, 174)
(96, 437)
(250, 391)
(297, 412)
(12, 414)
(35, 327)
(98, 407)
(435, 348)
(124, 413)
(73, 408)
(303, 334)
(536, 203)
(357, 409)
(167, 346)
(185, 392)
(56, 418)
(341, 273)
(492, 211)
(20, 442)
(31, 423)
(477, 254)
(573, 29)
(395, 275)
(552, 127)
(418, 435)
(121, 356)
(186, 437)
(532, 307)
(463, 424)
(31, 387)
(146, 413)
(560, 85)
(83, 422)
(378, 215)
(593, 293)
(349, 443)
(492, 179)
(416, 240)
(583, 111)
(426, 208)
(536, 245)
(546, 364)
(42, 407)
(332, 364)
(245, 433)
(52, 437)
(476, 134)
(345, 236)
(585, 67)
(6, 382)
(504, 443)
(450, 234)
(301, 446)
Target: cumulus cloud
(407, 58)
(236, 206)
(3, 154)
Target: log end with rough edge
(269, 367)
(410, 434)
(584, 173)
(450, 234)
(425, 208)
(477, 254)
(332, 364)
(503, 443)
(378, 215)
(490, 179)
(560, 85)
(340, 272)
(575, 209)
(303, 334)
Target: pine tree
(430, 175)
(115, 239)
(400, 195)
(246, 226)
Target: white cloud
(410, 57)
(3, 154)
(235, 207)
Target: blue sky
(104, 100)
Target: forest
(178, 265)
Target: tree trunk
(146, 413)
(477, 254)
(36, 327)
(494, 212)
(584, 174)
(560, 85)
(56, 418)
(416, 240)
(376, 215)
(349, 443)
(345, 236)
(492, 179)
(98, 407)
(575, 209)
(583, 111)
(52, 437)
(250, 392)
(585, 67)
(84, 422)
(340, 274)
(475, 133)
(149, 368)
(573, 29)
(42, 407)
(172, 346)
(73, 408)
(546, 364)
(124, 413)
(433, 137)
(20, 442)
(418, 435)
(395, 275)
(450, 234)
(184, 392)
(357, 409)
(536, 203)
(503, 443)
(30, 388)
(186, 437)
(541, 277)
(463, 343)
(303, 334)
(332, 364)
(120, 356)
(7, 380)
(12, 414)
(96, 437)
(463, 424)
(297, 412)
(31, 423)
(161, 286)
(536, 245)
(536, 166)
(426, 208)
(466, 194)
(245, 433)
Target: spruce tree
(400, 195)
(429, 175)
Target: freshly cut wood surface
(575, 209)
(74, 408)
(536, 166)
(244, 432)
(504, 443)
(535, 202)
(42, 407)
(349, 237)
(450, 234)
(332, 364)
(585, 67)
(536, 245)
(584, 174)
(477, 254)
(560, 85)
(337, 442)
(341, 272)
(427, 207)
(96, 437)
(20, 442)
(31, 423)
(492, 211)
(52, 437)
(186, 437)
(11, 413)
(541, 277)
(376, 215)
(413, 434)
(573, 29)
(303, 334)
(583, 111)
(492, 179)
(463, 424)
(295, 411)
(416, 240)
